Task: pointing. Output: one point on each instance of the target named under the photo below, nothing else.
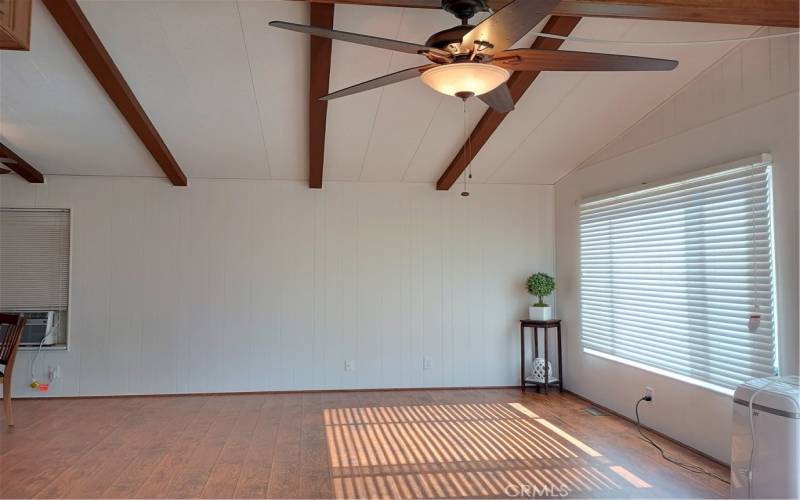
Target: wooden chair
(9, 344)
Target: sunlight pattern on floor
(463, 450)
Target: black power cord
(690, 467)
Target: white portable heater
(765, 445)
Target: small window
(679, 277)
(35, 271)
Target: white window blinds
(34, 259)
(670, 276)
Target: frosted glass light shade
(474, 78)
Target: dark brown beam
(749, 12)
(518, 84)
(13, 161)
(74, 24)
(319, 79)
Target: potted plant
(541, 285)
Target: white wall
(259, 285)
(719, 128)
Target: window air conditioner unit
(40, 324)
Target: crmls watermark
(533, 491)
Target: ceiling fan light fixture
(465, 78)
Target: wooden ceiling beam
(518, 83)
(319, 80)
(73, 22)
(783, 13)
(24, 169)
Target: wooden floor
(443, 444)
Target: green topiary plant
(541, 285)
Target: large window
(35, 271)
(678, 277)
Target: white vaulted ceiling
(229, 96)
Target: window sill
(56, 347)
(699, 383)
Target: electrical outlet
(651, 393)
(54, 373)
(427, 363)
(349, 365)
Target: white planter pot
(540, 313)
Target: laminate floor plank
(225, 473)
(254, 478)
(284, 481)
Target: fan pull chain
(468, 141)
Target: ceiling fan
(467, 60)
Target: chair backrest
(14, 324)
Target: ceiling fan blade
(507, 25)
(499, 99)
(372, 41)
(565, 60)
(381, 81)
(411, 4)
(4, 171)
(496, 5)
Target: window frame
(65, 344)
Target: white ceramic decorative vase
(538, 370)
(540, 313)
